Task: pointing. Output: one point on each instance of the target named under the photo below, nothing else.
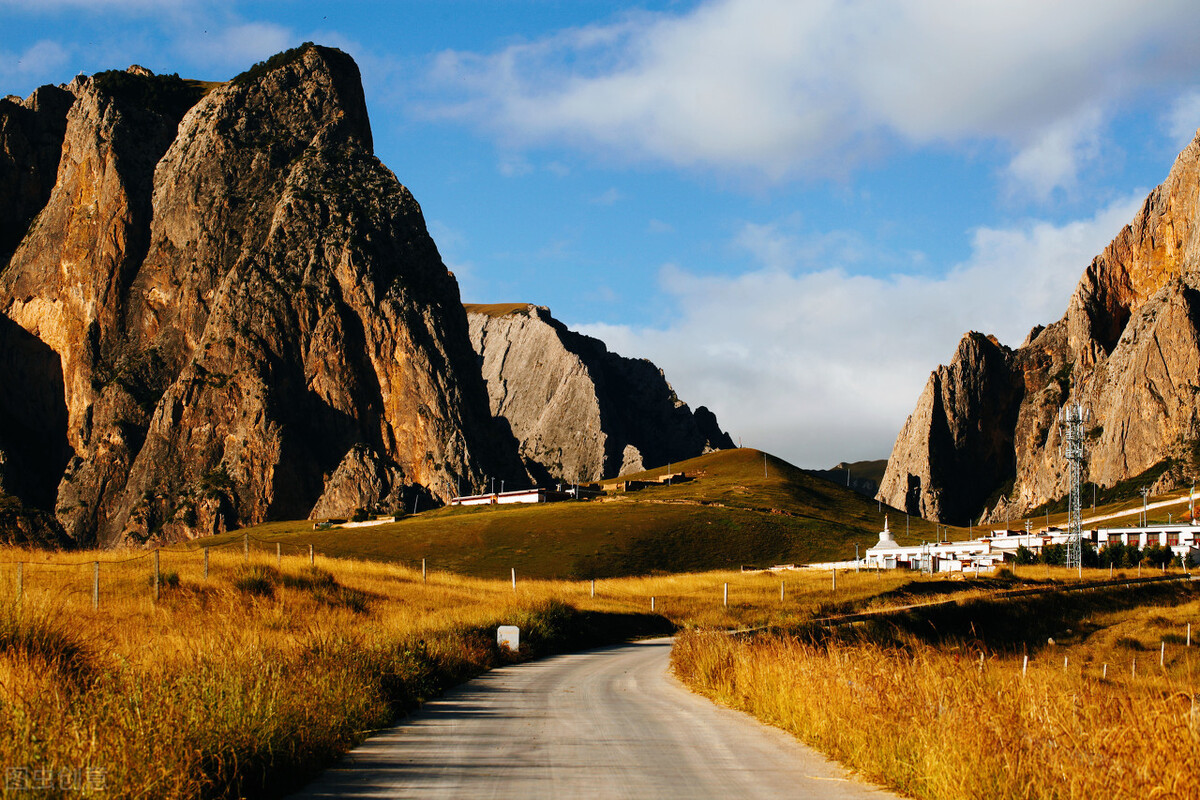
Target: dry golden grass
(936, 722)
(244, 683)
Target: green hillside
(738, 507)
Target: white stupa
(885, 536)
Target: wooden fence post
(424, 575)
(514, 578)
(279, 555)
(781, 583)
(311, 556)
(834, 579)
(95, 585)
(594, 594)
(726, 600)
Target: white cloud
(778, 88)
(513, 166)
(130, 7)
(1055, 158)
(1183, 119)
(821, 365)
(236, 46)
(44, 60)
(609, 197)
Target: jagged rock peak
(579, 411)
(1128, 348)
(241, 309)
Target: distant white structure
(988, 552)
(517, 496)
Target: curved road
(609, 723)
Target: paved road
(610, 723)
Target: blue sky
(796, 209)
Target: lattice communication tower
(1072, 419)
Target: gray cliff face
(579, 411)
(1128, 349)
(242, 301)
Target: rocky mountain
(860, 476)
(221, 308)
(984, 439)
(579, 411)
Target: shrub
(1158, 556)
(256, 580)
(167, 579)
(1054, 555)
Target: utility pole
(1145, 491)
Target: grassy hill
(739, 507)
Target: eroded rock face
(1128, 349)
(31, 139)
(240, 296)
(958, 442)
(362, 481)
(579, 411)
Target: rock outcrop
(579, 411)
(31, 137)
(859, 476)
(242, 302)
(984, 439)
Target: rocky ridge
(579, 411)
(984, 438)
(224, 307)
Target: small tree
(1159, 556)
(1025, 556)
(1054, 554)
(360, 515)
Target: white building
(516, 496)
(990, 551)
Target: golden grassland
(957, 718)
(247, 682)
(738, 507)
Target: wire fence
(24, 570)
(124, 576)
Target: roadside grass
(729, 514)
(916, 708)
(248, 682)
